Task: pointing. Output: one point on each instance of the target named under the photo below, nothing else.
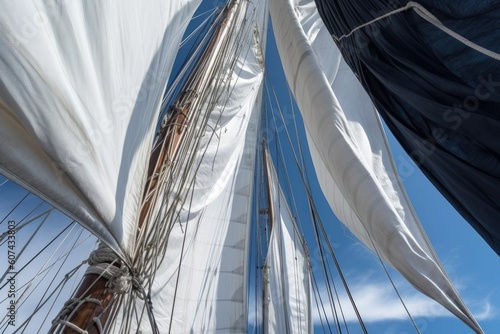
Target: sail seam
(429, 17)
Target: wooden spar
(268, 187)
(270, 213)
(170, 138)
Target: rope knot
(121, 281)
(104, 262)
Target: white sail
(286, 274)
(202, 282)
(351, 156)
(80, 91)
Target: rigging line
(18, 255)
(297, 280)
(426, 15)
(190, 139)
(214, 76)
(278, 143)
(22, 223)
(4, 182)
(42, 267)
(312, 216)
(325, 274)
(15, 207)
(279, 231)
(323, 262)
(216, 8)
(202, 24)
(336, 292)
(399, 295)
(289, 190)
(59, 287)
(65, 256)
(46, 270)
(317, 295)
(222, 58)
(193, 55)
(429, 17)
(302, 160)
(31, 237)
(342, 277)
(296, 235)
(329, 245)
(197, 142)
(232, 60)
(179, 268)
(392, 283)
(281, 151)
(299, 142)
(62, 256)
(330, 295)
(259, 285)
(37, 254)
(311, 202)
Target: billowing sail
(202, 283)
(351, 155)
(433, 71)
(286, 272)
(80, 92)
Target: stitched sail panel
(77, 117)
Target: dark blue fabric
(440, 98)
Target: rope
(102, 262)
(120, 281)
(429, 17)
(68, 310)
(314, 210)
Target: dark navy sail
(432, 69)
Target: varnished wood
(86, 313)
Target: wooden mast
(270, 213)
(170, 138)
(268, 187)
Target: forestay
(77, 117)
(351, 155)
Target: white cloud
(377, 301)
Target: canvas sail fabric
(80, 91)
(201, 285)
(433, 70)
(202, 282)
(351, 156)
(287, 281)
